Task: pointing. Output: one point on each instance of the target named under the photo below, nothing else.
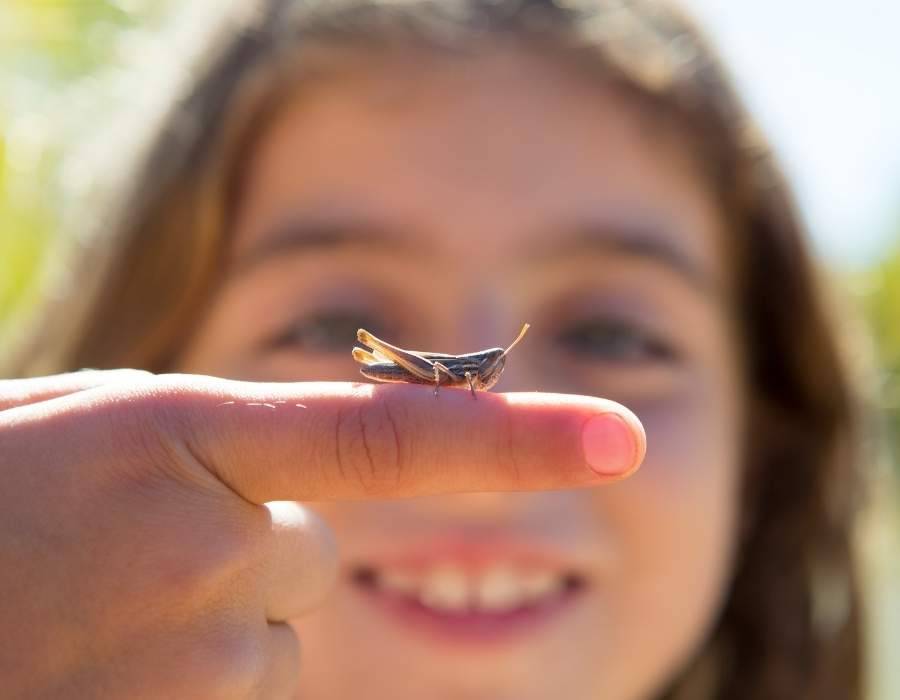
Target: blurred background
(821, 75)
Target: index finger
(340, 440)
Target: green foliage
(60, 41)
(46, 49)
(881, 303)
(25, 227)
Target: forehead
(477, 150)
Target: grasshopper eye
(497, 360)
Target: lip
(471, 627)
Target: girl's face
(441, 201)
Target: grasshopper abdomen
(392, 372)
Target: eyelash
(326, 332)
(615, 340)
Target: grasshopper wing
(412, 362)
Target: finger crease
(510, 447)
(337, 442)
(365, 443)
(393, 425)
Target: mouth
(461, 600)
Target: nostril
(573, 582)
(363, 575)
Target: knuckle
(234, 663)
(162, 423)
(127, 374)
(250, 536)
(149, 418)
(238, 543)
(220, 552)
(195, 561)
(172, 409)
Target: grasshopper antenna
(518, 338)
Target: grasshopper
(388, 363)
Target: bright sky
(823, 77)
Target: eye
(325, 332)
(614, 340)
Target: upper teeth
(450, 588)
(445, 588)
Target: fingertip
(639, 434)
(610, 436)
(613, 443)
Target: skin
(441, 201)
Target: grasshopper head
(490, 369)
(494, 361)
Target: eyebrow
(299, 236)
(634, 242)
(310, 235)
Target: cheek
(675, 522)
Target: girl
(438, 172)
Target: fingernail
(609, 445)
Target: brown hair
(791, 624)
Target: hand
(137, 558)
